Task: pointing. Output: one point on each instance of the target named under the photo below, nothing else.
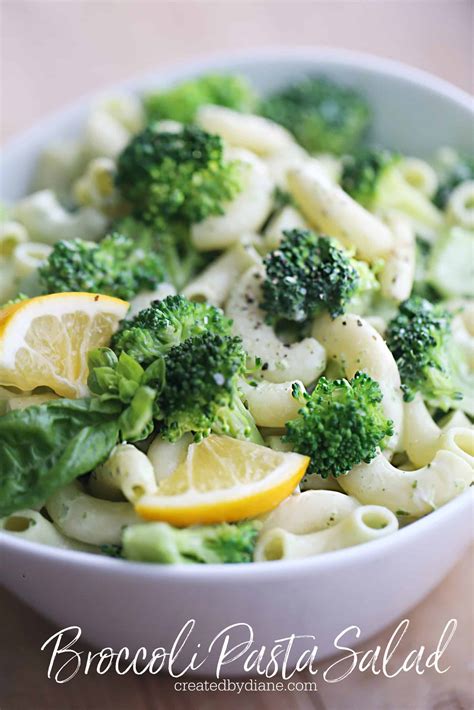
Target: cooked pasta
(304, 360)
(245, 214)
(364, 524)
(216, 281)
(356, 345)
(88, 519)
(127, 473)
(33, 526)
(461, 205)
(328, 208)
(420, 175)
(310, 512)
(47, 221)
(413, 493)
(254, 133)
(11, 235)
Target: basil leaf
(44, 447)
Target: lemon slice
(44, 341)
(224, 480)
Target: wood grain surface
(52, 52)
(24, 684)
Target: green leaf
(129, 368)
(44, 447)
(136, 422)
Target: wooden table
(51, 53)
(24, 684)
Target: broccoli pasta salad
(234, 330)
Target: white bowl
(126, 604)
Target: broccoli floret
(419, 337)
(308, 274)
(201, 392)
(181, 102)
(114, 267)
(180, 258)
(341, 424)
(373, 179)
(461, 171)
(206, 544)
(421, 287)
(165, 324)
(167, 176)
(322, 115)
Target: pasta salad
(234, 330)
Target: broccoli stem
(236, 421)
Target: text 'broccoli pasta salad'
(234, 330)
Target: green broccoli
(172, 243)
(123, 381)
(181, 102)
(200, 392)
(308, 274)
(165, 324)
(421, 287)
(206, 544)
(16, 299)
(168, 176)
(428, 359)
(114, 267)
(417, 336)
(322, 115)
(462, 170)
(373, 179)
(341, 424)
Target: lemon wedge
(224, 480)
(44, 341)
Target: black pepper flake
(265, 366)
(359, 323)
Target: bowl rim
(177, 70)
(168, 73)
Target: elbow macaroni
(32, 526)
(419, 175)
(215, 283)
(271, 403)
(304, 360)
(365, 523)
(415, 493)
(461, 205)
(356, 345)
(128, 473)
(254, 133)
(330, 209)
(88, 519)
(398, 273)
(46, 220)
(166, 456)
(245, 214)
(310, 512)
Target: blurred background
(52, 52)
